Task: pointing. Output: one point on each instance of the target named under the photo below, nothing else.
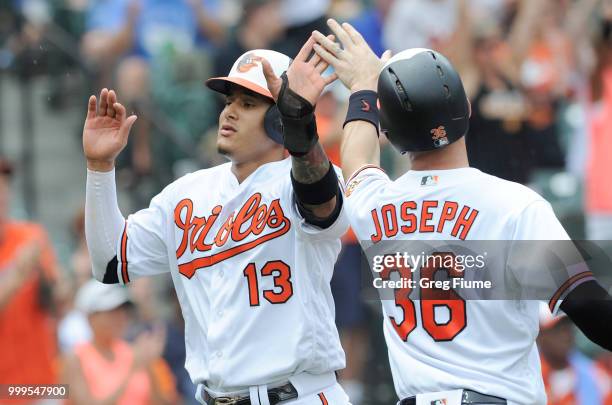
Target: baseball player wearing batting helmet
(451, 350)
(250, 244)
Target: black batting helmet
(423, 105)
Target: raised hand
(305, 75)
(149, 346)
(354, 62)
(106, 130)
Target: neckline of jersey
(234, 180)
(440, 171)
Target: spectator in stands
(133, 35)
(421, 24)
(108, 370)
(28, 348)
(73, 328)
(497, 143)
(371, 22)
(149, 304)
(599, 112)
(301, 17)
(570, 378)
(543, 50)
(259, 26)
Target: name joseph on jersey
(418, 216)
(252, 219)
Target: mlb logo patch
(439, 402)
(429, 180)
(351, 187)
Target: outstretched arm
(358, 68)
(314, 181)
(104, 136)
(589, 306)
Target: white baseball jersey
(252, 277)
(484, 345)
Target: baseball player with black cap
(450, 351)
(250, 244)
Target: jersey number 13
(283, 288)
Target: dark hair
(249, 7)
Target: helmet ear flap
(273, 124)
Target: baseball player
(463, 352)
(250, 244)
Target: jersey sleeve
(142, 249)
(361, 197)
(336, 230)
(543, 259)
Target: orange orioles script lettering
(252, 219)
(412, 216)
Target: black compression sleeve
(589, 306)
(319, 192)
(322, 223)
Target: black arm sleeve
(322, 223)
(589, 306)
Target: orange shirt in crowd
(564, 390)
(599, 167)
(28, 347)
(115, 372)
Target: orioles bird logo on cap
(438, 133)
(248, 62)
(439, 136)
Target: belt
(275, 395)
(468, 397)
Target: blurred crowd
(539, 77)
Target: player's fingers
(340, 33)
(91, 106)
(355, 36)
(119, 111)
(127, 125)
(103, 102)
(112, 99)
(329, 45)
(268, 71)
(315, 58)
(272, 80)
(325, 55)
(330, 79)
(321, 66)
(302, 55)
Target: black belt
(275, 395)
(468, 397)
